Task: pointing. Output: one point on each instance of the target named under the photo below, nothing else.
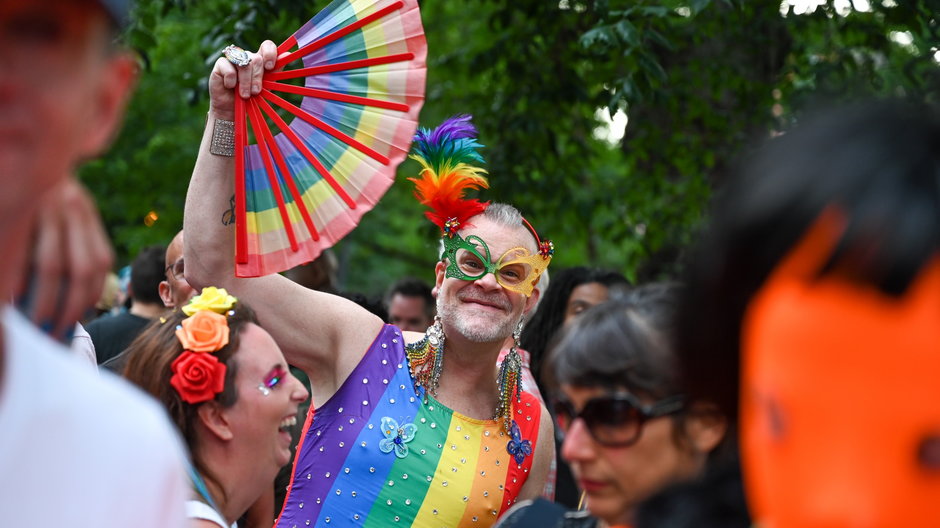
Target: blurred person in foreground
(226, 386)
(111, 458)
(819, 276)
(628, 429)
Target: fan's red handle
(241, 217)
(254, 117)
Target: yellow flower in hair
(215, 299)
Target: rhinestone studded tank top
(375, 455)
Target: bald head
(174, 290)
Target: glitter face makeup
(276, 375)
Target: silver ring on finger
(236, 55)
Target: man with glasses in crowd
(174, 290)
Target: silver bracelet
(223, 138)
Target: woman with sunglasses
(225, 384)
(628, 431)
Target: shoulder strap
(200, 510)
(531, 407)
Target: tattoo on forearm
(228, 217)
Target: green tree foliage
(700, 80)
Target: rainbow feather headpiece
(448, 155)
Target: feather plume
(448, 157)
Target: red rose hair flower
(197, 377)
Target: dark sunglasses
(615, 420)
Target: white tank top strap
(200, 510)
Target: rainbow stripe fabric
(451, 470)
(304, 188)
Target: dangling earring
(426, 359)
(509, 381)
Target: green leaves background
(701, 81)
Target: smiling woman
(226, 386)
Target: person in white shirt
(80, 448)
(74, 449)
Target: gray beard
(476, 330)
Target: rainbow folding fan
(300, 190)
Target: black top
(111, 334)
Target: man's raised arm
(323, 334)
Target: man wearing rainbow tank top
(400, 436)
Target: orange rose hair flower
(204, 331)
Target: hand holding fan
(302, 186)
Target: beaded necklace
(426, 360)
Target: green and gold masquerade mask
(516, 270)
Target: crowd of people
(785, 379)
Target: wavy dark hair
(876, 163)
(550, 314)
(627, 342)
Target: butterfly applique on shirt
(517, 447)
(396, 437)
